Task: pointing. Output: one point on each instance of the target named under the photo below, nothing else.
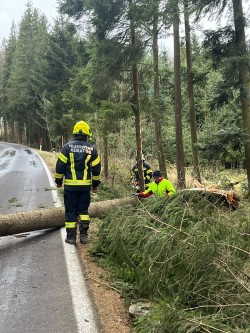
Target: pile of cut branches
(186, 256)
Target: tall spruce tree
(116, 18)
(178, 98)
(192, 112)
(150, 19)
(242, 61)
(27, 78)
(65, 56)
(7, 53)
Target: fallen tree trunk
(54, 217)
(51, 218)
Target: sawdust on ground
(113, 315)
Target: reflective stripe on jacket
(147, 173)
(162, 189)
(78, 165)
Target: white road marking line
(83, 308)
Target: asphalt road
(42, 288)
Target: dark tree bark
(192, 112)
(12, 134)
(157, 105)
(20, 131)
(244, 78)
(5, 129)
(105, 156)
(135, 102)
(178, 105)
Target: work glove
(58, 184)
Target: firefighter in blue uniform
(78, 167)
(147, 173)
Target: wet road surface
(37, 269)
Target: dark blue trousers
(76, 206)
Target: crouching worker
(161, 187)
(78, 166)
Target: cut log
(217, 196)
(51, 218)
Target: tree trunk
(157, 106)
(5, 127)
(192, 112)
(135, 102)
(20, 131)
(51, 218)
(105, 156)
(178, 106)
(12, 136)
(244, 78)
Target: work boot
(83, 229)
(71, 241)
(84, 238)
(71, 236)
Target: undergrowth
(187, 256)
(107, 192)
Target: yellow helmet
(81, 128)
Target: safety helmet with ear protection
(81, 127)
